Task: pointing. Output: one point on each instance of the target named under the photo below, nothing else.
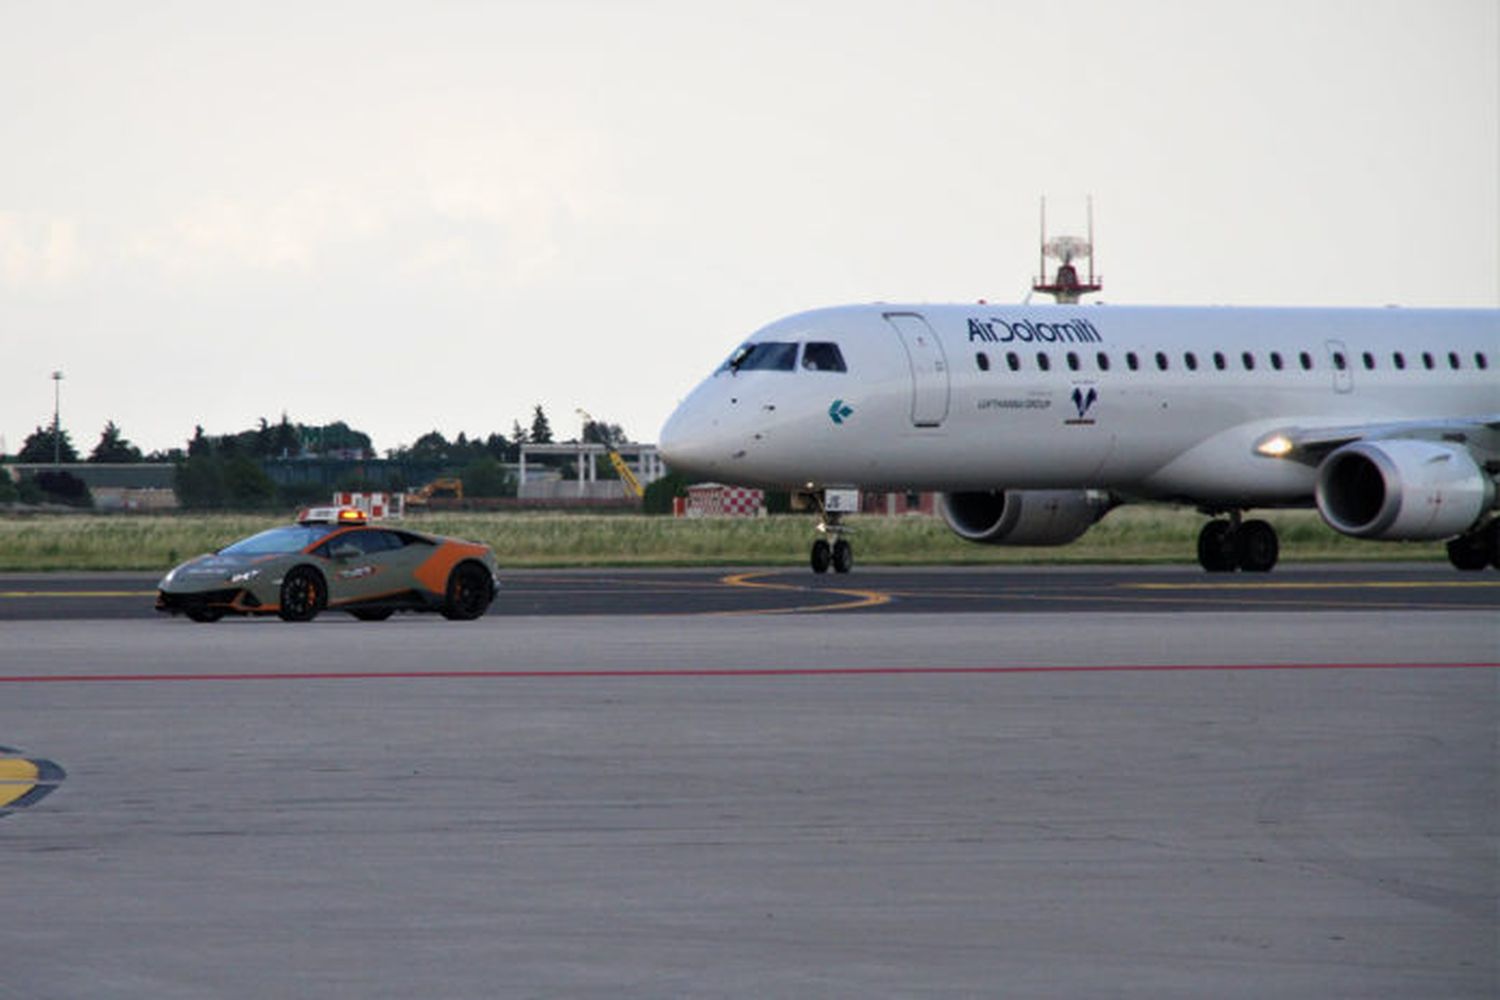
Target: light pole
(57, 378)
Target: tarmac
(1021, 783)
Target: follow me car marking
(333, 558)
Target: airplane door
(1338, 358)
(929, 368)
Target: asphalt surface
(1358, 586)
(1021, 783)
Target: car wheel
(373, 614)
(469, 593)
(303, 595)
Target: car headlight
(244, 576)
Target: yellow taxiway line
(858, 598)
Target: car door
(358, 565)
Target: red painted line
(726, 672)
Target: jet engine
(1402, 490)
(1022, 517)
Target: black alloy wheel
(302, 595)
(469, 593)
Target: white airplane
(1034, 421)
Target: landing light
(1275, 446)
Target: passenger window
(1043, 362)
(1102, 360)
(1480, 361)
(983, 361)
(1013, 361)
(1369, 360)
(1338, 360)
(1276, 361)
(1427, 360)
(1131, 361)
(823, 357)
(1305, 360)
(1161, 361)
(1191, 360)
(1072, 361)
(1248, 360)
(1453, 361)
(1399, 360)
(1219, 360)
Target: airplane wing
(1481, 435)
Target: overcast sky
(435, 215)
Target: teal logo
(839, 411)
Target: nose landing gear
(1225, 546)
(835, 550)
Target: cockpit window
(822, 357)
(763, 356)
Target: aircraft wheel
(469, 593)
(1257, 547)
(1472, 552)
(302, 595)
(205, 615)
(843, 556)
(1216, 547)
(822, 555)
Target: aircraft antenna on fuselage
(1064, 285)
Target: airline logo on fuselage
(999, 331)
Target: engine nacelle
(1402, 490)
(1022, 517)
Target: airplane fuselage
(1148, 403)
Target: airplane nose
(683, 444)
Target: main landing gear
(1227, 545)
(837, 553)
(1477, 549)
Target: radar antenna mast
(1064, 285)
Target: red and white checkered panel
(377, 506)
(724, 501)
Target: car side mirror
(346, 551)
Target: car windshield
(292, 538)
(763, 356)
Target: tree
(200, 445)
(498, 448)
(485, 477)
(661, 493)
(430, 447)
(199, 481)
(609, 435)
(246, 483)
(541, 429)
(40, 448)
(8, 491)
(113, 447)
(64, 487)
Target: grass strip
(1143, 534)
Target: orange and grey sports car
(334, 559)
